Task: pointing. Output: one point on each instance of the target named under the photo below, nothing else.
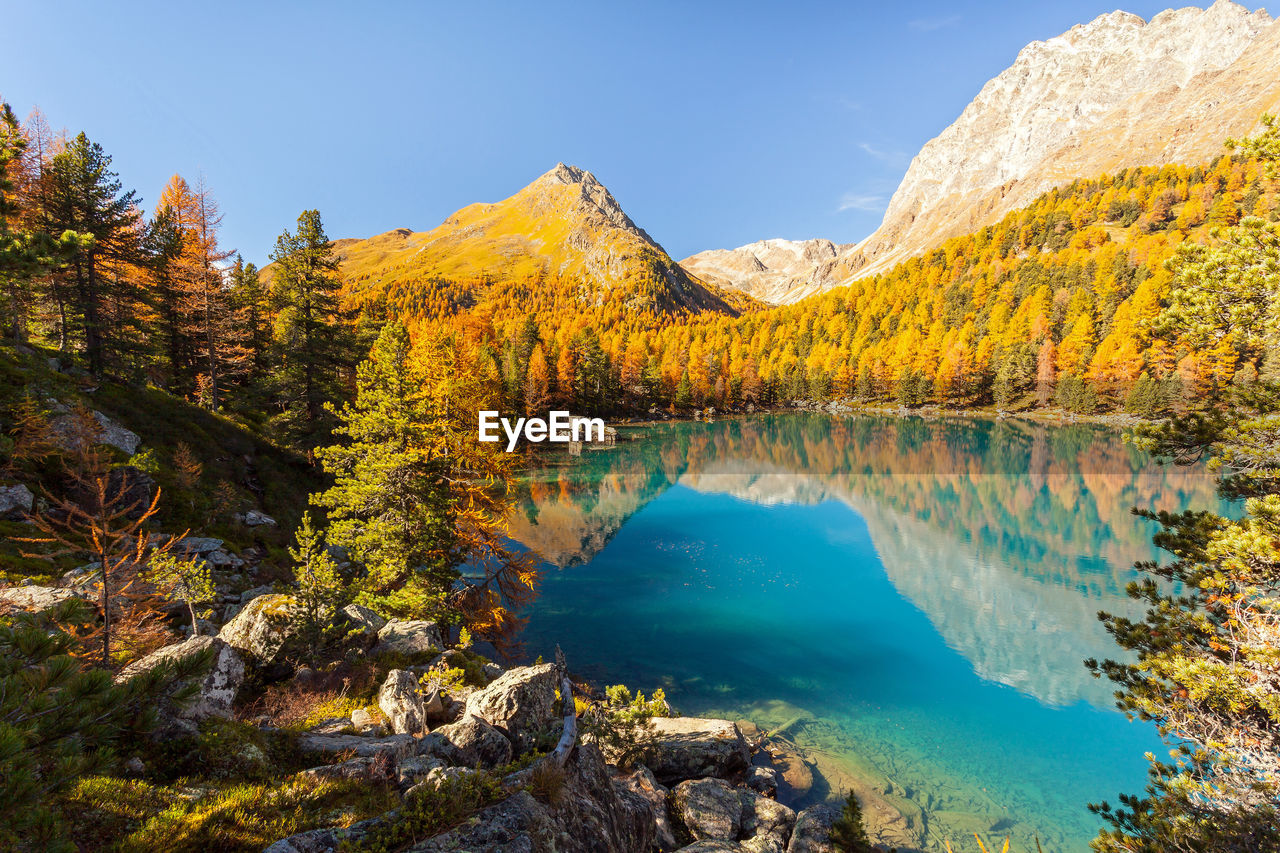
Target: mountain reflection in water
(777, 567)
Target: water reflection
(914, 597)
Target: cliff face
(774, 271)
(1113, 93)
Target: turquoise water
(911, 599)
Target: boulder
(713, 847)
(36, 598)
(197, 545)
(216, 690)
(372, 768)
(470, 742)
(591, 816)
(111, 433)
(262, 628)
(415, 768)
(256, 592)
(708, 809)
(400, 700)
(640, 782)
(712, 809)
(410, 637)
(520, 702)
(254, 518)
(764, 780)
(812, 833)
(130, 488)
(396, 746)
(692, 748)
(362, 617)
(15, 502)
(363, 717)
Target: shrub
(622, 725)
(430, 811)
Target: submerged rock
(693, 748)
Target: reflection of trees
(1009, 535)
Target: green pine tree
(318, 590)
(311, 340)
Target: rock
(712, 809)
(221, 559)
(493, 671)
(254, 518)
(713, 847)
(15, 502)
(433, 706)
(591, 816)
(415, 768)
(37, 598)
(197, 545)
(640, 782)
(113, 434)
(397, 746)
(413, 637)
(519, 703)
(708, 809)
(362, 717)
(256, 592)
(216, 690)
(400, 700)
(331, 726)
(135, 766)
(262, 628)
(327, 840)
(131, 488)
(796, 774)
(365, 618)
(471, 742)
(812, 831)
(692, 748)
(763, 780)
(373, 768)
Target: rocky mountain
(774, 271)
(565, 226)
(1113, 93)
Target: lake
(909, 600)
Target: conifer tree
(311, 341)
(318, 589)
(87, 198)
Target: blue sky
(714, 124)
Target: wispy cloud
(928, 25)
(860, 201)
(895, 157)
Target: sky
(713, 124)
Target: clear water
(912, 600)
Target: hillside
(1115, 93)
(565, 228)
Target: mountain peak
(563, 174)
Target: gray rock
(400, 700)
(200, 545)
(641, 783)
(708, 809)
(373, 768)
(216, 690)
(412, 637)
(763, 780)
(262, 628)
(471, 742)
(256, 592)
(363, 617)
(493, 671)
(331, 726)
(519, 703)
(37, 598)
(693, 748)
(712, 809)
(15, 501)
(591, 816)
(113, 434)
(713, 847)
(362, 717)
(415, 768)
(397, 746)
(812, 833)
(221, 559)
(254, 518)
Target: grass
(139, 816)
